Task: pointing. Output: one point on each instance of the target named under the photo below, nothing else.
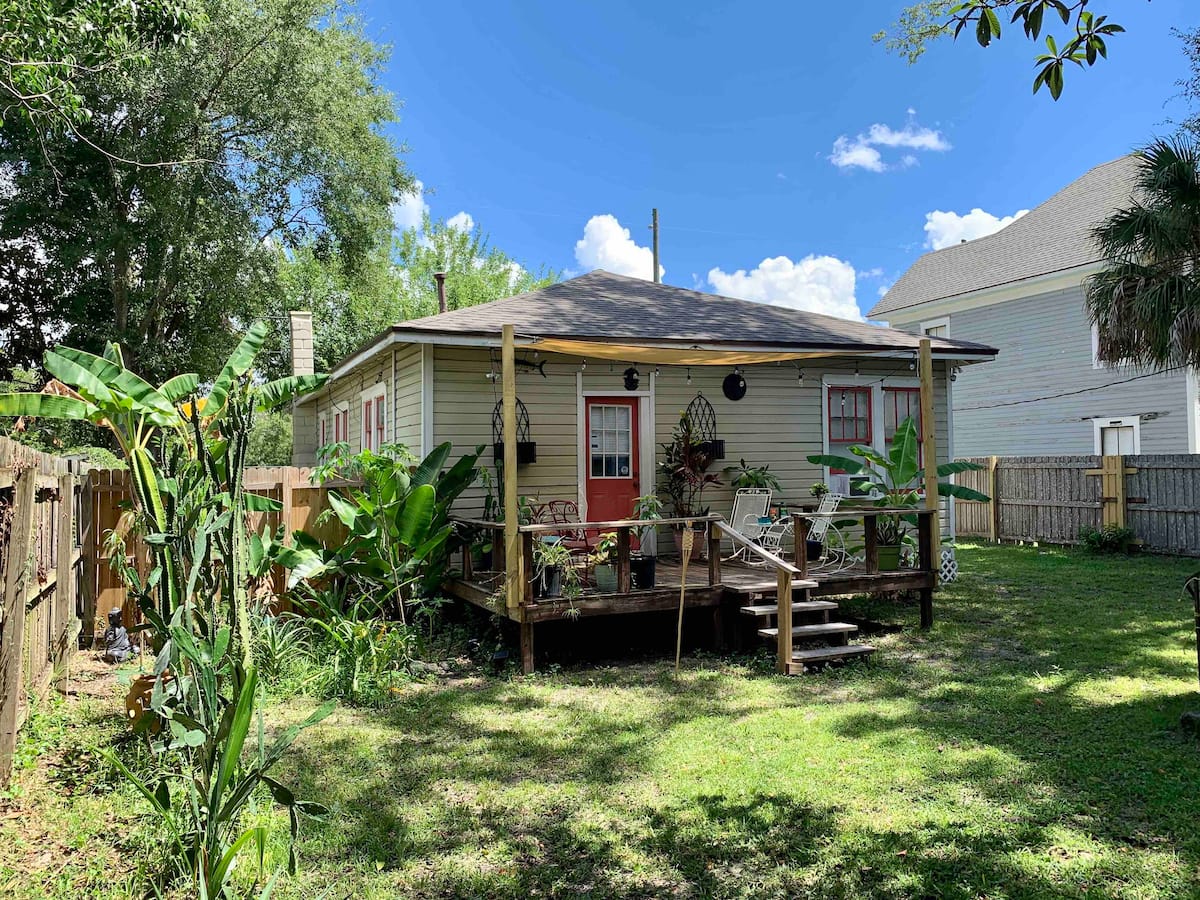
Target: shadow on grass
(1059, 677)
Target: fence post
(88, 556)
(12, 616)
(994, 504)
(63, 611)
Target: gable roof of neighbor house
(1052, 237)
(601, 306)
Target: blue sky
(556, 127)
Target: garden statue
(117, 645)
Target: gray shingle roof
(1052, 237)
(601, 306)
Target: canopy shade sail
(676, 356)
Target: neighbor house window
(374, 417)
(1118, 436)
(938, 328)
(323, 430)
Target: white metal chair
(749, 517)
(835, 555)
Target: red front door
(611, 470)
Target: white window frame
(372, 395)
(323, 423)
(842, 379)
(940, 322)
(1099, 424)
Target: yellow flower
(186, 408)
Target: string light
(583, 366)
(689, 375)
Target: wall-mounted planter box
(526, 449)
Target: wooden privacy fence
(44, 515)
(1051, 498)
(302, 504)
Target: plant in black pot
(642, 564)
(554, 571)
(684, 466)
(893, 481)
(604, 566)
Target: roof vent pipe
(440, 278)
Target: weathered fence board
(40, 574)
(1051, 498)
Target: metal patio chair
(749, 518)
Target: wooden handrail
(873, 511)
(742, 541)
(617, 524)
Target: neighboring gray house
(1020, 290)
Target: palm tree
(1146, 302)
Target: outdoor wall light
(632, 377)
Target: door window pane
(1116, 440)
(610, 440)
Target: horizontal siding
(1045, 348)
(778, 423)
(406, 408)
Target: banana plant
(397, 525)
(893, 480)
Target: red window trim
(857, 390)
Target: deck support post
(929, 436)
(783, 593)
(800, 540)
(871, 543)
(624, 576)
(526, 647)
(926, 523)
(714, 556)
(513, 568)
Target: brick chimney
(302, 342)
(304, 418)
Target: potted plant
(685, 477)
(893, 482)
(642, 564)
(552, 568)
(747, 476)
(603, 564)
(818, 489)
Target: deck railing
(787, 577)
(926, 550)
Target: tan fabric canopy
(672, 356)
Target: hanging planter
(526, 449)
(704, 427)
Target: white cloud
(408, 211)
(944, 229)
(606, 244)
(462, 221)
(821, 284)
(862, 151)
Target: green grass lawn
(1026, 747)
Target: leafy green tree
(1146, 302)
(351, 306)
(270, 439)
(275, 108)
(50, 49)
(1081, 42)
(475, 271)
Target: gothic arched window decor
(526, 449)
(704, 426)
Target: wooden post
(513, 576)
(929, 436)
(994, 505)
(714, 556)
(526, 647)
(783, 590)
(63, 610)
(88, 556)
(800, 542)
(927, 524)
(12, 615)
(527, 565)
(624, 577)
(871, 543)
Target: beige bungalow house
(603, 367)
(812, 384)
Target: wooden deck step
(806, 632)
(770, 609)
(819, 655)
